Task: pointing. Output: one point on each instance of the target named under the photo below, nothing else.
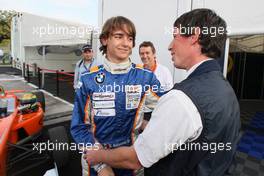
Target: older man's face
(180, 50)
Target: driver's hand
(106, 171)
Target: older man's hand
(93, 156)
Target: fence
(56, 82)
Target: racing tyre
(40, 99)
(58, 136)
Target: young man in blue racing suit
(108, 108)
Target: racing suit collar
(117, 68)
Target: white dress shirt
(163, 74)
(174, 121)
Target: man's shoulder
(163, 69)
(79, 62)
(147, 76)
(140, 67)
(94, 70)
(96, 62)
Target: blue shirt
(81, 68)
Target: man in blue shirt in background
(84, 64)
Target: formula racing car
(21, 124)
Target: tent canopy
(38, 31)
(247, 43)
(242, 17)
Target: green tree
(5, 24)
